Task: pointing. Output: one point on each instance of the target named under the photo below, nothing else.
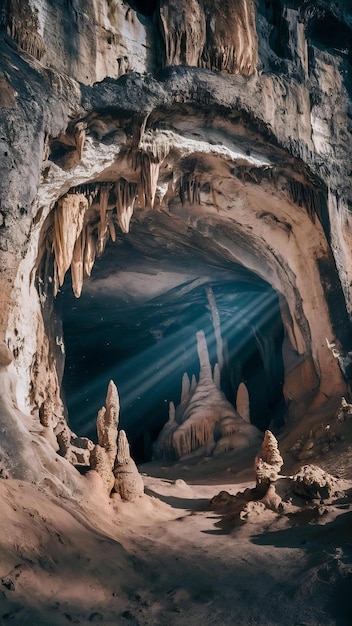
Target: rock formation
(311, 483)
(204, 420)
(128, 481)
(111, 458)
(292, 496)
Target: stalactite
(68, 223)
(89, 251)
(77, 264)
(126, 195)
(157, 145)
(183, 29)
(189, 189)
(26, 37)
(149, 173)
(234, 48)
(216, 325)
(305, 195)
(111, 226)
(103, 225)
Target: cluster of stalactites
(214, 34)
(80, 235)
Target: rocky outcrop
(311, 483)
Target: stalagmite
(68, 223)
(242, 402)
(107, 423)
(163, 445)
(100, 462)
(186, 387)
(217, 376)
(201, 416)
(128, 481)
(126, 195)
(203, 355)
(183, 30)
(216, 325)
(268, 465)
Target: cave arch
(211, 173)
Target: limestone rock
(204, 414)
(311, 482)
(100, 462)
(107, 423)
(268, 466)
(128, 481)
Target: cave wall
(270, 103)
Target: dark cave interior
(136, 323)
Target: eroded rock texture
(225, 125)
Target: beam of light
(163, 361)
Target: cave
(136, 322)
(175, 312)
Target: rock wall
(241, 133)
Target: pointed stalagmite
(269, 464)
(100, 462)
(186, 387)
(128, 481)
(107, 423)
(203, 354)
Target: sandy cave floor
(168, 559)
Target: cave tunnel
(136, 323)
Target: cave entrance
(136, 323)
